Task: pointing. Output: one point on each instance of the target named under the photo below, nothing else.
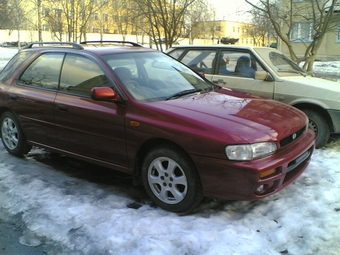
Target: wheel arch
(145, 148)
(318, 109)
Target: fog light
(260, 189)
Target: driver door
(238, 72)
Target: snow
(5, 55)
(76, 208)
(80, 216)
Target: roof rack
(74, 45)
(111, 42)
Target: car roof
(217, 46)
(97, 47)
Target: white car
(269, 73)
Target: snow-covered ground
(5, 55)
(76, 214)
(99, 213)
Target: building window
(96, 16)
(302, 31)
(57, 13)
(337, 34)
(46, 12)
(46, 27)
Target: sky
(233, 10)
(75, 208)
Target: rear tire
(319, 125)
(13, 138)
(171, 179)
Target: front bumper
(233, 180)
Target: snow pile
(79, 216)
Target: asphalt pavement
(11, 229)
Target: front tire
(12, 136)
(319, 125)
(171, 179)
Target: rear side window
(176, 53)
(200, 60)
(44, 72)
(13, 64)
(80, 75)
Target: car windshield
(284, 64)
(153, 76)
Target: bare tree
(4, 15)
(318, 16)
(197, 13)
(17, 11)
(123, 12)
(165, 19)
(259, 28)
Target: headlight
(250, 151)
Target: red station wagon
(136, 110)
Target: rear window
(13, 64)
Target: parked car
(13, 44)
(273, 45)
(267, 72)
(139, 111)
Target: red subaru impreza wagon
(136, 110)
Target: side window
(241, 64)
(79, 75)
(13, 64)
(44, 71)
(176, 53)
(200, 60)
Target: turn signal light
(267, 173)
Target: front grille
(292, 137)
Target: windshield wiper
(292, 71)
(183, 93)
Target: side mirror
(104, 94)
(263, 76)
(260, 75)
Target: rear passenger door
(34, 95)
(200, 60)
(86, 127)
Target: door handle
(219, 81)
(62, 107)
(13, 96)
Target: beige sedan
(267, 72)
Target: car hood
(311, 89)
(237, 120)
(316, 83)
